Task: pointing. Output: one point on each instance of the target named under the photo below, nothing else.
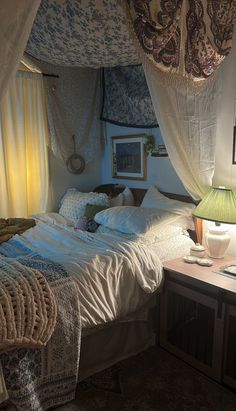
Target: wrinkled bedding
(115, 273)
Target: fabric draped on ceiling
(186, 41)
(82, 33)
(126, 98)
(183, 44)
(23, 147)
(16, 19)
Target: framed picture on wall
(234, 146)
(129, 157)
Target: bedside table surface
(204, 274)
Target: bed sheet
(115, 273)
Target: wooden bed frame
(139, 194)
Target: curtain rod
(50, 75)
(44, 74)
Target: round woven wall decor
(75, 163)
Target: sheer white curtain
(188, 127)
(16, 20)
(23, 147)
(181, 46)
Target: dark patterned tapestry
(126, 98)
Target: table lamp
(219, 206)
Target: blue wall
(159, 169)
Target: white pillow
(105, 230)
(117, 201)
(134, 220)
(128, 197)
(167, 231)
(154, 199)
(74, 202)
(160, 232)
(125, 198)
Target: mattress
(115, 273)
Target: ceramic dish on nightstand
(190, 259)
(204, 262)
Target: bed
(107, 296)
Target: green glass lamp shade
(218, 205)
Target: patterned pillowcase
(74, 203)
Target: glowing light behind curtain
(16, 20)
(23, 147)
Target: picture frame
(234, 146)
(129, 157)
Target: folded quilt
(40, 378)
(12, 226)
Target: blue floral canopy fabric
(126, 98)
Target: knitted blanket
(40, 378)
(27, 306)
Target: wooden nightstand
(198, 317)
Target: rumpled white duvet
(115, 273)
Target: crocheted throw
(27, 306)
(40, 378)
(12, 226)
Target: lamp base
(217, 240)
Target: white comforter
(115, 273)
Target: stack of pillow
(80, 208)
(157, 212)
(88, 210)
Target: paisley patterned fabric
(126, 98)
(85, 33)
(187, 39)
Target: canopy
(82, 33)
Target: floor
(151, 381)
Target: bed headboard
(114, 189)
(139, 194)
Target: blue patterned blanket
(37, 379)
